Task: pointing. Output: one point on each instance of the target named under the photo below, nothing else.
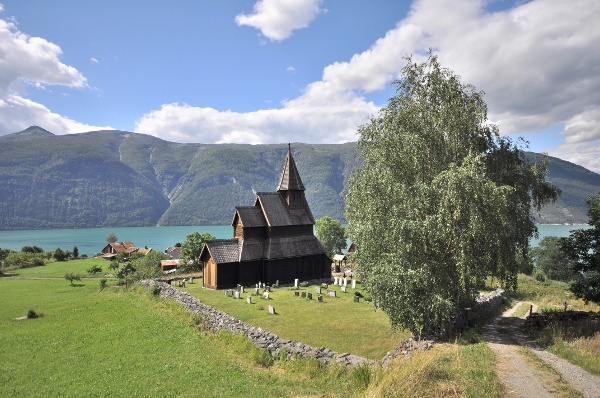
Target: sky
(278, 71)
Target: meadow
(127, 342)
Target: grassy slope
(92, 343)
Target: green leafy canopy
(441, 201)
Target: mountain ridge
(114, 178)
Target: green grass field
(338, 323)
(119, 343)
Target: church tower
(290, 184)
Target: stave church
(273, 240)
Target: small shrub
(31, 314)
(72, 277)
(361, 377)
(102, 284)
(261, 357)
(154, 289)
(283, 354)
(539, 276)
(95, 269)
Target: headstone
(297, 293)
(249, 299)
(335, 280)
(241, 289)
(309, 296)
(318, 290)
(226, 292)
(332, 293)
(303, 294)
(356, 299)
(236, 294)
(353, 283)
(259, 284)
(191, 279)
(345, 282)
(256, 290)
(277, 283)
(319, 299)
(343, 289)
(271, 310)
(296, 283)
(266, 295)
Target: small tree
(191, 249)
(125, 273)
(331, 235)
(59, 254)
(583, 248)
(111, 238)
(95, 269)
(75, 252)
(72, 277)
(549, 258)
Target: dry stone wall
(216, 320)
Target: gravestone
(266, 295)
(259, 285)
(297, 293)
(318, 290)
(356, 299)
(303, 294)
(277, 283)
(191, 279)
(353, 283)
(256, 290)
(226, 292)
(332, 293)
(249, 299)
(309, 296)
(335, 280)
(296, 283)
(271, 310)
(241, 289)
(343, 289)
(236, 294)
(345, 282)
(319, 299)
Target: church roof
(251, 216)
(222, 251)
(277, 212)
(290, 178)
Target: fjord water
(92, 240)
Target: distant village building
(272, 240)
(111, 250)
(173, 251)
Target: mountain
(117, 178)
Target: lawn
(123, 343)
(338, 323)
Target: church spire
(290, 178)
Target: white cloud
(291, 69)
(276, 19)
(93, 60)
(17, 113)
(32, 61)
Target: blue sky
(274, 71)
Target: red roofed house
(111, 249)
(273, 240)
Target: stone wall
(216, 320)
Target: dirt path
(521, 379)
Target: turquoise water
(92, 240)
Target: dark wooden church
(272, 240)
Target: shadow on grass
(77, 285)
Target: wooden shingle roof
(277, 212)
(221, 251)
(251, 216)
(290, 178)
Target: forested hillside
(116, 178)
